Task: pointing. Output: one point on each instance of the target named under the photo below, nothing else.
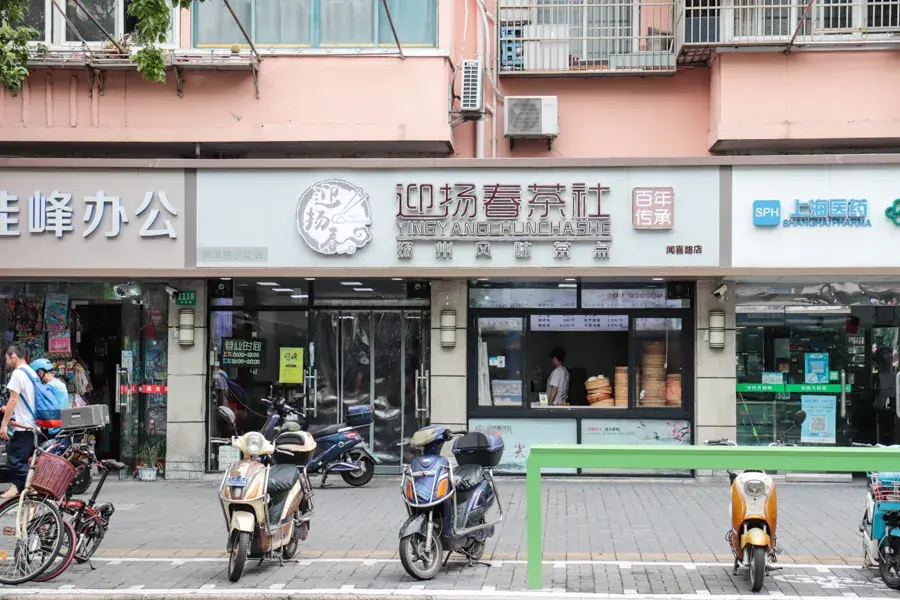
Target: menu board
(523, 298)
(625, 298)
(579, 322)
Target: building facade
(462, 78)
(694, 300)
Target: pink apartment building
(677, 192)
(625, 78)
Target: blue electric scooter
(880, 526)
(339, 448)
(448, 506)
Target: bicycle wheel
(63, 559)
(23, 559)
(89, 533)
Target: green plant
(151, 455)
(153, 20)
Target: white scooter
(267, 506)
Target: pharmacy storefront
(826, 344)
(79, 251)
(437, 295)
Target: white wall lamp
(448, 328)
(186, 327)
(716, 329)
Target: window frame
(56, 28)
(314, 33)
(688, 327)
(858, 22)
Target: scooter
(880, 525)
(267, 506)
(448, 507)
(754, 515)
(340, 449)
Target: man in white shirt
(20, 408)
(558, 384)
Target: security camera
(172, 292)
(719, 292)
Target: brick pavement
(644, 537)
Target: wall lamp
(448, 328)
(716, 329)
(186, 327)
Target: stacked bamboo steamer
(653, 374)
(621, 388)
(673, 390)
(599, 391)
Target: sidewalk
(600, 536)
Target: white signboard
(815, 216)
(635, 432)
(579, 322)
(382, 218)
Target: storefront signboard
(785, 216)
(244, 353)
(820, 426)
(290, 365)
(634, 432)
(815, 367)
(458, 218)
(92, 219)
(519, 434)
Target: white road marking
(348, 587)
(411, 592)
(208, 586)
(554, 563)
(136, 587)
(277, 586)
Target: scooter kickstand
(446, 560)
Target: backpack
(46, 406)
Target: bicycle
(38, 527)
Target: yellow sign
(290, 366)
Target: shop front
(438, 295)
(79, 247)
(825, 344)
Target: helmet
(41, 364)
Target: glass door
(376, 357)
(128, 378)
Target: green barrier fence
(718, 458)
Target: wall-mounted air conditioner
(531, 118)
(472, 86)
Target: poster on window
(820, 426)
(815, 367)
(635, 432)
(519, 435)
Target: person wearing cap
(44, 370)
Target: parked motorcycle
(880, 526)
(448, 507)
(754, 515)
(267, 502)
(339, 448)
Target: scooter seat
(281, 479)
(327, 430)
(467, 477)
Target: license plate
(237, 482)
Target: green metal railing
(718, 458)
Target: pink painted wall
(309, 98)
(805, 95)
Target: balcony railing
(585, 37)
(705, 26)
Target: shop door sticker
(820, 426)
(816, 367)
(290, 365)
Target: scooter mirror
(227, 414)
(799, 417)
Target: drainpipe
(479, 124)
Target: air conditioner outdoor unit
(531, 118)
(472, 86)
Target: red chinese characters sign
(522, 215)
(653, 208)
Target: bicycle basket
(52, 475)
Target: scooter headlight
(755, 487)
(255, 443)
